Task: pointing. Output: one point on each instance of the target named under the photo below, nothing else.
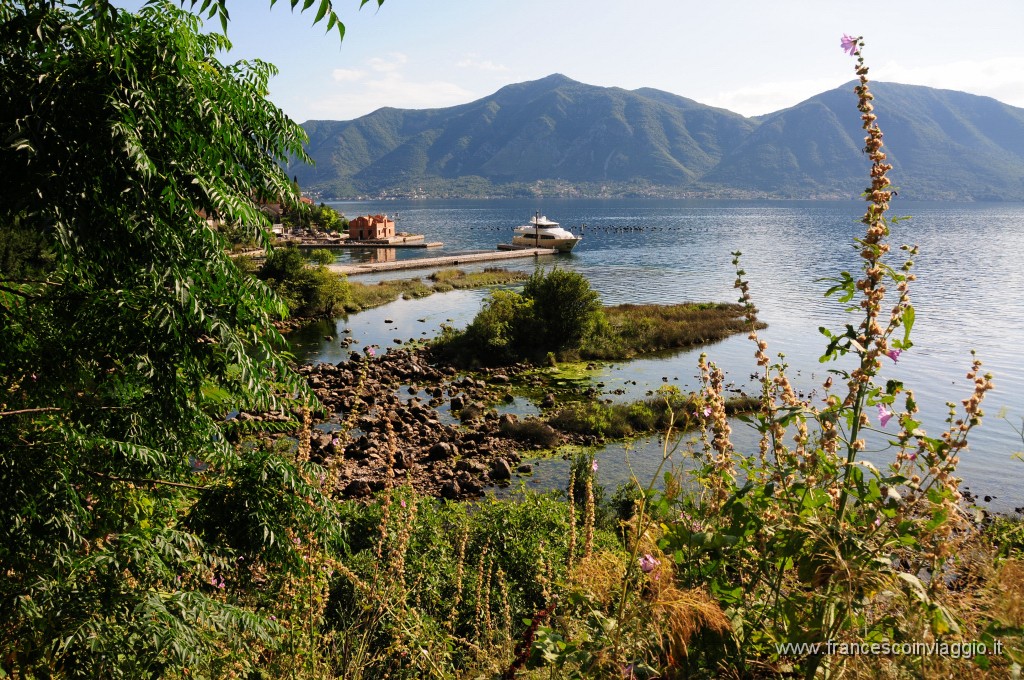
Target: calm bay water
(969, 295)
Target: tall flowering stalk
(872, 342)
(799, 539)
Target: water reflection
(372, 255)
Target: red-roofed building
(371, 227)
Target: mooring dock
(443, 261)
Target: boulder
(500, 470)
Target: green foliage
(119, 366)
(474, 573)
(500, 331)
(558, 315)
(554, 313)
(322, 217)
(620, 421)
(1007, 534)
(630, 330)
(308, 290)
(320, 256)
(25, 254)
(808, 150)
(366, 296)
(565, 309)
(531, 431)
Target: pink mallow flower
(849, 44)
(648, 563)
(593, 466)
(894, 354)
(884, 415)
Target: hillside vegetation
(556, 136)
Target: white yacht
(543, 233)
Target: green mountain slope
(556, 134)
(942, 144)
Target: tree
(132, 336)
(304, 282)
(556, 312)
(565, 307)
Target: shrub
(555, 312)
(565, 309)
(308, 290)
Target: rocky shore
(431, 426)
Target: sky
(749, 56)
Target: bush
(565, 309)
(555, 313)
(308, 290)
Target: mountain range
(557, 136)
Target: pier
(443, 261)
(368, 244)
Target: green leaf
(908, 325)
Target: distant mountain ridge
(557, 136)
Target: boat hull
(562, 245)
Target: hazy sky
(749, 56)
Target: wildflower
(894, 354)
(371, 352)
(849, 44)
(403, 503)
(593, 466)
(648, 563)
(884, 415)
(707, 411)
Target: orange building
(371, 227)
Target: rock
(451, 490)
(524, 468)
(357, 488)
(548, 401)
(471, 466)
(500, 470)
(440, 451)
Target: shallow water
(969, 295)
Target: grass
(631, 330)
(367, 296)
(621, 421)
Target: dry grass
(642, 329)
